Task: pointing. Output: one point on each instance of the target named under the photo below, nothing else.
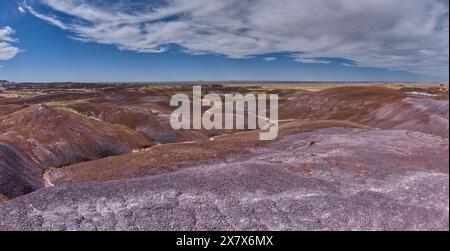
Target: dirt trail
(46, 179)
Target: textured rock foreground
(328, 179)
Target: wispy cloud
(410, 35)
(7, 49)
(348, 65)
(48, 18)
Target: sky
(221, 40)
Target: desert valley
(355, 156)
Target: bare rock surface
(329, 179)
(19, 175)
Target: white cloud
(409, 35)
(269, 59)
(299, 57)
(312, 61)
(7, 50)
(21, 9)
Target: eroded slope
(338, 183)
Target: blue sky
(76, 40)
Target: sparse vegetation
(72, 111)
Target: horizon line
(224, 81)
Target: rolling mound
(54, 137)
(341, 103)
(8, 109)
(147, 110)
(38, 137)
(415, 114)
(152, 120)
(50, 97)
(377, 107)
(170, 157)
